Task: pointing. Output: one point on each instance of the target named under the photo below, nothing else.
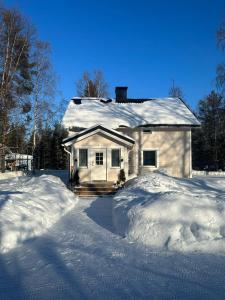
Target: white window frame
(157, 158)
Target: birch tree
(15, 68)
(44, 84)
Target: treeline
(29, 114)
(208, 142)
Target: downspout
(70, 154)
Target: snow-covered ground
(176, 214)
(81, 257)
(29, 206)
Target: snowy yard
(82, 257)
(173, 214)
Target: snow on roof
(159, 111)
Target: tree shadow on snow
(100, 211)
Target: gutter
(70, 154)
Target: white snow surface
(173, 214)
(29, 206)
(81, 257)
(159, 111)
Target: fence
(208, 173)
(8, 175)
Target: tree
(49, 152)
(220, 71)
(92, 86)
(15, 69)
(209, 141)
(176, 92)
(43, 89)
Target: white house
(137, 135)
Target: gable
(102, 131)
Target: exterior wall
(173, 148)
(99, 141)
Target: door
(98, 164)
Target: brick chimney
(121, 94)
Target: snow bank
(29, 206)
(173, 214)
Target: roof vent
(121, 94)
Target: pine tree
(208, 143)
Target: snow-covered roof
(86, 112)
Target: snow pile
(29, 206)
(173, 214)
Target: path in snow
(81, 258)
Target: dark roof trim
(170, 125)
(112, 132)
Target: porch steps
(92, 189)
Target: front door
(98, 164)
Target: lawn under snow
(29, 206)
(175, 214)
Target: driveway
(82, 258)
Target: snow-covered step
(93, 189)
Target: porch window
(115, 157)
(99, 159)
(83, 157)
(150, 158)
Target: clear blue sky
(140, 44)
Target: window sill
(150, 167)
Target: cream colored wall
(173, 145)
(99, 141)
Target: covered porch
(98, 154)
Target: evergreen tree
(208, 143)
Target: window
(99, 158)
(115, 158)
(147, 131)
(149, 158)
(83, 157)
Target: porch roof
(98, 129)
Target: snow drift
(29, 206)
(173, 214)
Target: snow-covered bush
(173, 214)
(29, 206)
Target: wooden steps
(91, 189)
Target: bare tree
(220, 71)
(92, 86)
(44, 86)
(15, 68)
(220, 35)
(176, 92)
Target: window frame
(99, 158)
(83, 167)
(156, 159)
(119, 166)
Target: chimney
(121, 94)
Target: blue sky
(141, 44)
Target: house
(16, 161)
(137, 135)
